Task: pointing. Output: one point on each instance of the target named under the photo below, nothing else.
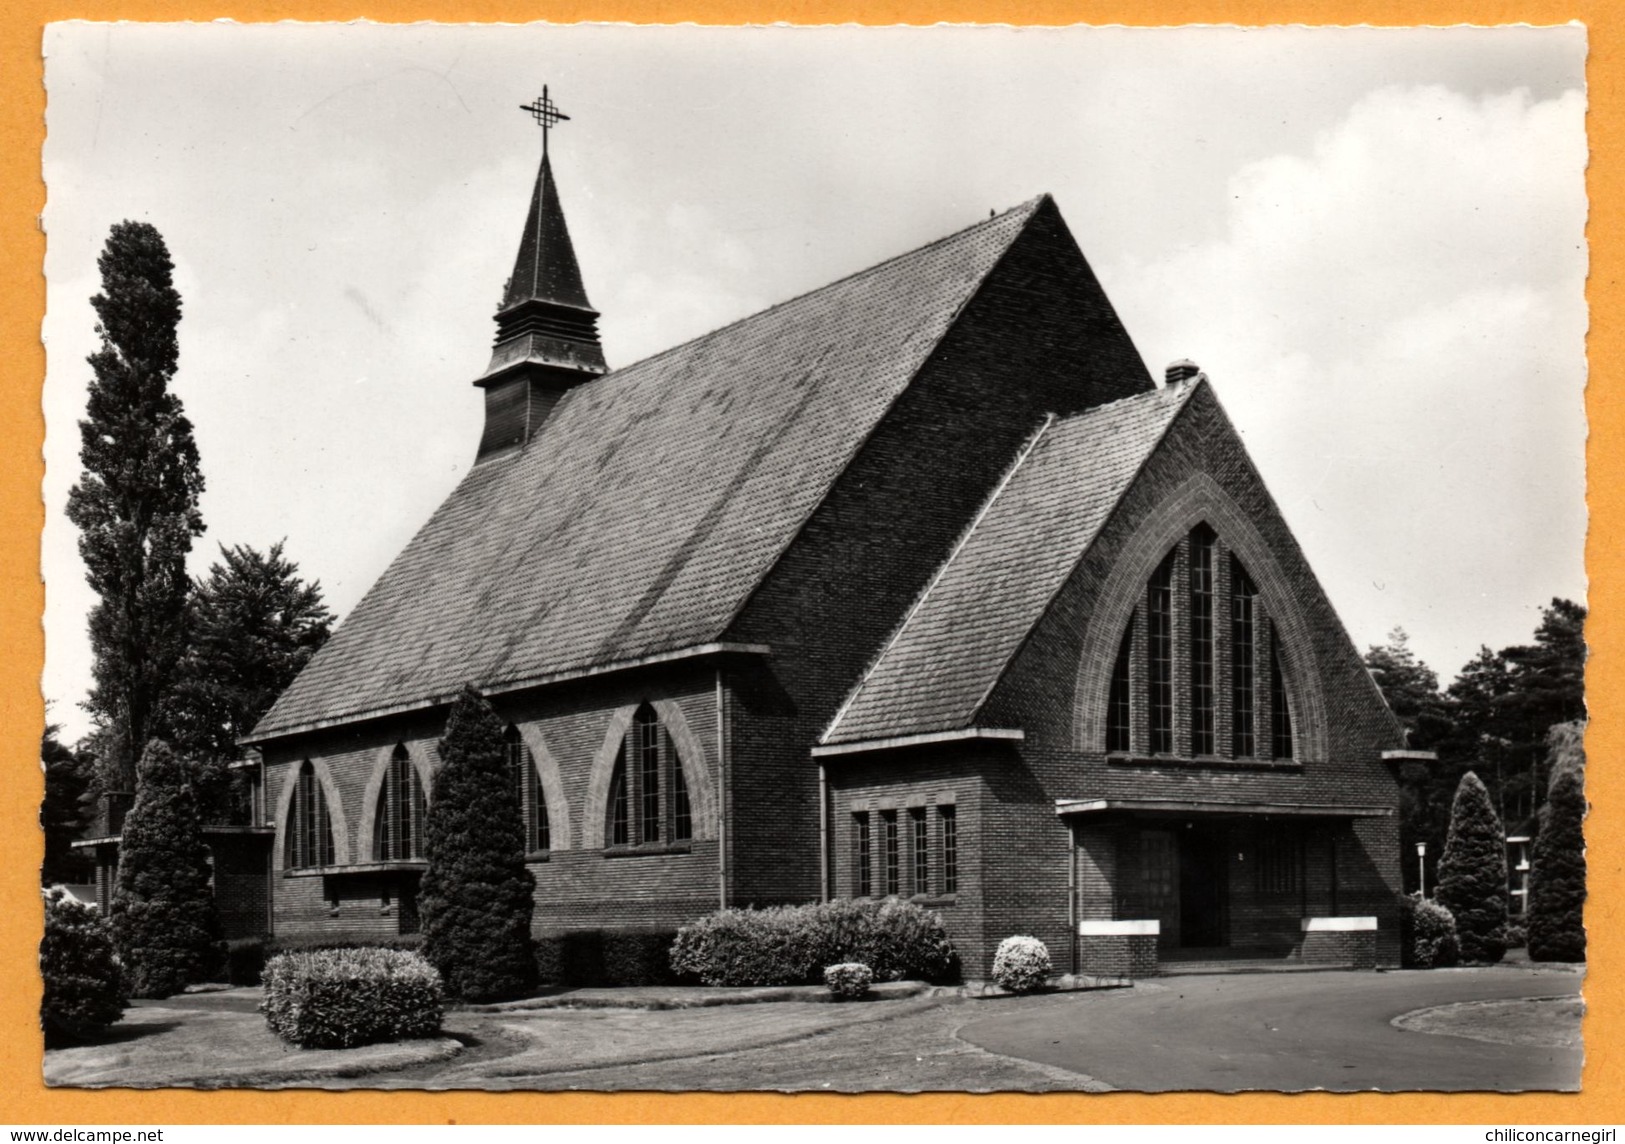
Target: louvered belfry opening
(547, 331)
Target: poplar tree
(136, 503)
(476, 896)
(1473, 873)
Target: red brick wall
(1039, 337)
(575, 887)
(1040, 692)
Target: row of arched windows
(1187, 676)
(648, 801)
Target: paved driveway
(1285, 1032)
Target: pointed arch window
(1198, 673)
(648, 801)
(397, 830)
(528, 787)
(308, 836)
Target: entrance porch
(1171, 888)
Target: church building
(917, 585)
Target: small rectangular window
(864, 884)
(1279, 856)
(894, 866)
(950, 849)
(922, 851)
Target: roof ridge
(941, 570)
(1181, 401)
(1029, 206)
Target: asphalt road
(1284, 1032)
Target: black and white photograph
(814, 559)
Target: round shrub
(337, 998)
(83, 986)
(849, 980)
(1517, 935)
(789, 945)
(1021, 964)
(1427, 934)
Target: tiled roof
(652, 501)
(545, 267)
(969, 621)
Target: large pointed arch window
(308, 836)
(397, 832)
(528, 787)
(648, 795)
(1198, 673)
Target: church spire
(547, 331)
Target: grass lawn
(1541, 1022)
(174, 1044)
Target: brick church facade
(914, 585)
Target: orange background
(24, 1100)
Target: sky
(1371, 240)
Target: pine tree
(64, 811)
(1557, 879)
(136, 504)
(163, 914)
(253, 626)
(476, 895)
(1473, 873)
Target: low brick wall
(1350, 941)
(1118, 948)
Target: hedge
(337, 998)
(606, 957)
(790, 945)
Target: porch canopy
(1067, 807)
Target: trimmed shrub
(411, 942)
(163, 917)
(1473, 873)
(83, 987)
(789, 945)
(1517, 935)
(337, 998)
(1021, 964)
(1557, 877)
(476, 896)
(578, 958)
(1427, 934)
(849, 980)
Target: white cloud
(1395, 319)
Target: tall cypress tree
(1557, 879)
(1473, 873)
(136, 504)
(163, 914)
(476, 896)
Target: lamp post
(1422, 868)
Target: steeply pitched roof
(954, 644)
(652, 501)
(545, 268)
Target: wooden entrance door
(1203, 888)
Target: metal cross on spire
(545, 112)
